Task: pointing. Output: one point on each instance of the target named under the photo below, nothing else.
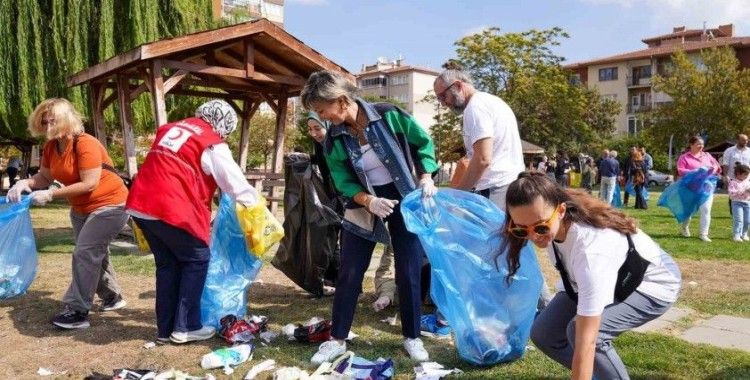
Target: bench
(269, 184)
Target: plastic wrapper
(684, 197)
(461, 234)
(630, 189)
(260, 227)
(18, 257)
(617, 197)
(231, 270)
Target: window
(399, 79)
(634, 126)
(609, 73)
(373, 82)
(575, 79)
(635, 102)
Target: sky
(422, 32)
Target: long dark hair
(581, 208)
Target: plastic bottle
(228, 356)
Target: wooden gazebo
(249, 63)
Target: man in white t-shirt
(732, 155)
(491, 138)
(490, 131)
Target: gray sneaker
(205, 332)
(113, 304)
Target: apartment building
(248, 10)
(626, 77)
(404, 83)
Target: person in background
(693, 159)
(587, 174)
(637, 172)
(542, 165)
(13, 168)
(609, 168)
(598, 164)
(188, 161)
(739, 194)
(589, 242)
(372, 151)
(740, 152)
(626, 175)
(97, 197)
(562, 169)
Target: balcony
(635, 82)
(638, 108)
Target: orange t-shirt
(90, 154)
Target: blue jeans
(740, 217)
(181, 269)
(356, 252)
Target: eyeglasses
(441, 95)
(541, 228)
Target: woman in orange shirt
(97, 196)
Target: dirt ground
(115, 339)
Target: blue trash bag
(17, 248)
(231, 269)
(630, 189)
(461, 233)
(684, 197)
(617, 197)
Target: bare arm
(587, 331)
(41, 180)
(89, 181)
(479, 162)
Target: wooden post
(96, 99)
(123, 101)
(157, 93)
(249, 58)
(278, 152)
(248, 110)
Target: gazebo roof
(216, 58)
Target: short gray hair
(613, 153)
(452, 75)
(325, 87)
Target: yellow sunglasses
(541, 228)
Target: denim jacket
(404, 148)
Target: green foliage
(522, 69)
(712, 96)
(446, 132)
(45, 41)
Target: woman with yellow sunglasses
(614, 277)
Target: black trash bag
(309, 252)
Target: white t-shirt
(733, 155)
(592, 257)
(487, 116)
(375, 171)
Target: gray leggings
(554, 332)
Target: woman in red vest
(170, 200)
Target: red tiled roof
(684, 33)
(665, 50)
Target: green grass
(659, 223)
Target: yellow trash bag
(140, 239)
(262, 229)
(575, 179)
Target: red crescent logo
(178, 132)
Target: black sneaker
(71, 319)
(115, 303)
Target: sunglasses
(441, 95)
(541, 228)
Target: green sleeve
(345, 181)
(418, 139)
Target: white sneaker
(205, 332)
(737, 238)
(685, 231)
(328, 351)
(416, 350)
(745, 237)
(705, 238)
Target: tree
(446, 132)
(522, 69)
(709, 97)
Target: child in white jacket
(739, 193)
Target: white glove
(428, 187)
(381, 207)
(15, 192)
(41, 197)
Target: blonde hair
(67, 120)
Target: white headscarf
(220, 115)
